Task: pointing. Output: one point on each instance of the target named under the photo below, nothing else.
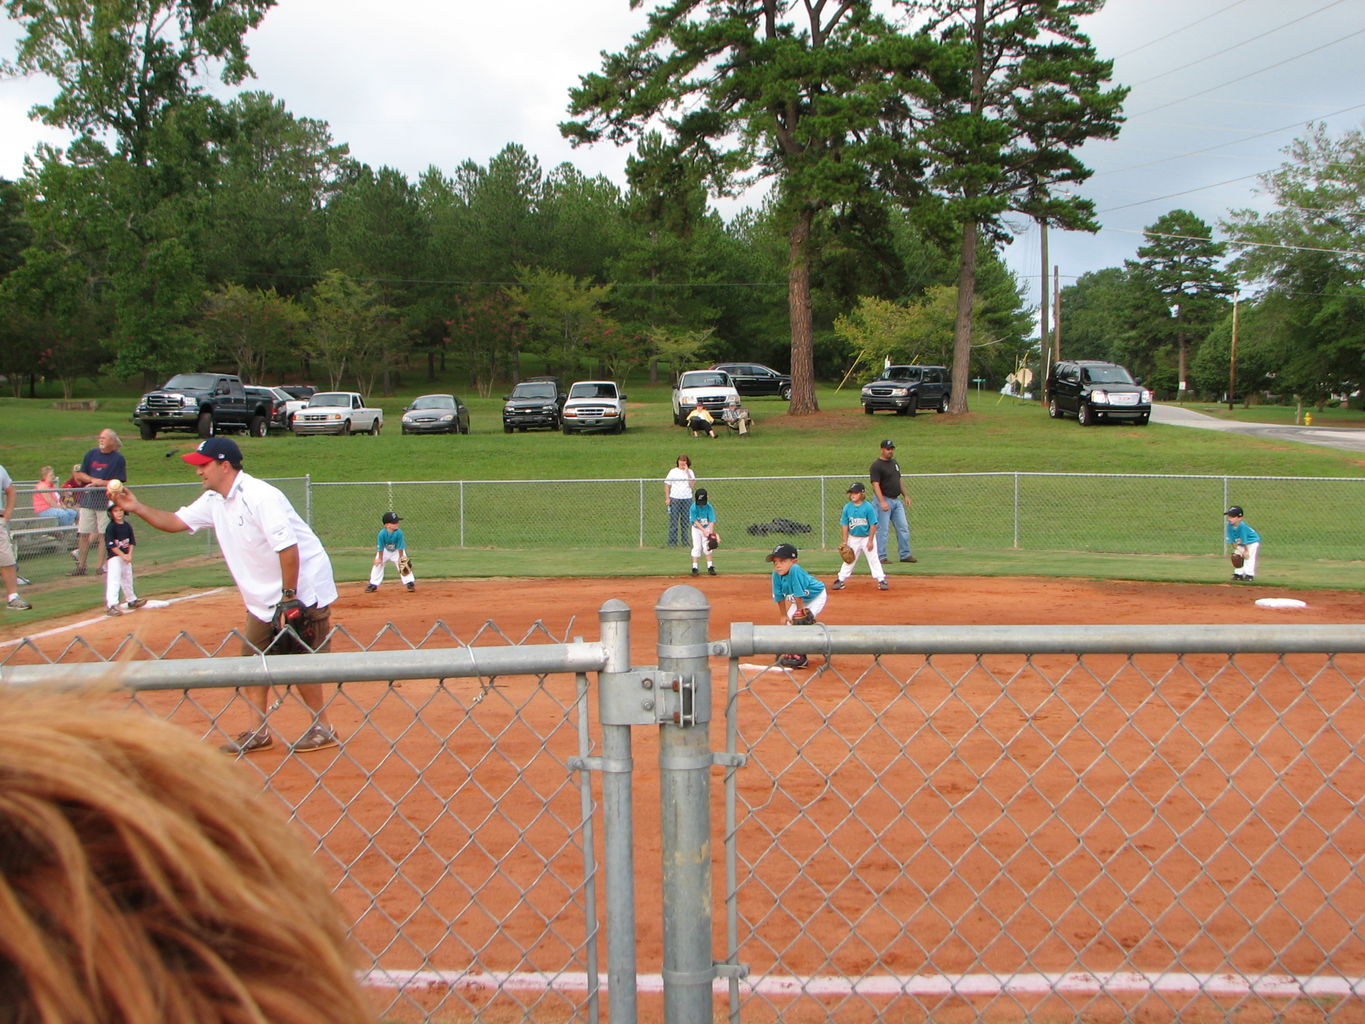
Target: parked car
(337, 412)
(296, 397)
(1093, 391)
(908, 389)
(713, 388)
(277, 401)
(204, 403)
(436, 414)
(534, 402)
(594, 405)
(757, 379)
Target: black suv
(908, 389)
(757, 379)
(535, 402)
(1093, 391)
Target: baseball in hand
(113, 486)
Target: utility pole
(1043, 308)
(1232, 361)
(1056, 314)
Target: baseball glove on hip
(846, 553)
(405, 565)
(1238, 556)
(293, 632)
(712, 542)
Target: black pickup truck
(205, 403)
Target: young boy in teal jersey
(800, 596)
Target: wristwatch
(286, 593)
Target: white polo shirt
(253, 523)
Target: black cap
(783, 551)
(888, 444)
(391, 517)
(856, 488)
(701, 497)
(1233, 510)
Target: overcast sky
(1219, 88)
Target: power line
(1179, 31)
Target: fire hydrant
(1308, 419)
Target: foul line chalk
(102, 618)
(1278, 986)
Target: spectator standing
(678, 496)
(9, 575)
(275, 559)
(101, 464)
(891, 502)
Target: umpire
(277, 562)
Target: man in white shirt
(275, 559)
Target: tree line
(179, 230)
(1277, 309)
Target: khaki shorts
(6, 549)
(256, 635)
(92, 520)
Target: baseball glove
(1239, 556)
(404, 565)
(806, 618)
(712, 542)
(294, 631)
(846, 553)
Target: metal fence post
(618, 826)
(685, 764)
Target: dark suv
(757, 379)
(908, 389)
(535, 402)
(1093, 391)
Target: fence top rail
(1259, 638)
(292, 670)
(845, 476)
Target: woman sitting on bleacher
(47, 500)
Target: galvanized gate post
(618, 826)
(685, 764)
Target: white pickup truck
(337, 412)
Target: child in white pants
(118, 574)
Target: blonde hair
(142, 878)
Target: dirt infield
(564, 609)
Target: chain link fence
(966, 823)
(1304, 518)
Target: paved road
(1351, 440)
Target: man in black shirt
(891, 502)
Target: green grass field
(998, 435)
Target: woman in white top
(678, 494)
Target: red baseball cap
(215, 449)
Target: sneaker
(249, 742)
(112, 610)
(909, 558)
(837, 585)
(1237, 577)
(137, 602)
(18, 604)
(710, 570)
(23, 581)
(75, 554)
(412, 587)
(317, 738)
(883, 585)
(1248, 579)
(695, 571)
(370, 588)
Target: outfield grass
(998, 435)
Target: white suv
(593, 405)
(713, 388)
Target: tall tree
(1031, 91)
(817, 97)
(1306, 256)
(1179, 265)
